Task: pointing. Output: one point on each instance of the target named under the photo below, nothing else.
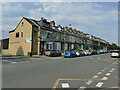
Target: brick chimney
(52, 23)
(66, 28)
(42, 19)
(70, 29)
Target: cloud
(94, 18)
(88, 17)
(13, 9)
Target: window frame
(17, 34)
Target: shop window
(17, 34)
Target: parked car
(115, 53)
(85, 53)
(93, 52)
(52, 53)
(70, 54)
(98, 52)
(82, 53)
(59, 53)
(88, 52)
(77, 53)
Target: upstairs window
(35, 33)
(17, 34)
(21, 34)
(49, 35)
(22, 23)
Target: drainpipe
(39, 41)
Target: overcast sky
(99, 19)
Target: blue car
(70, 54)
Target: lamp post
(64, 41)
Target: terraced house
(32, 36)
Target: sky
(97, 18)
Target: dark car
(82, 53)
(70, 54)
(58, 53)
(93, 52)
(52, 53)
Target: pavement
(96, 71)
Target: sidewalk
(16, 59)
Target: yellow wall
(19, 46)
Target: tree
(114, 47)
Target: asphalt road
(97, 71)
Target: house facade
(32, 36)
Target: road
(97, 71)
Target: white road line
(82, 87)
(107, 74)
(65, 85)
(98, 58)
(113, 69)
(102, 70)
(89, 82)
(94, 76)
(99, 84)
(104, 78)
(99, 73)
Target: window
(17, 34)
(46, 25)
(35, 33)
(49, 35)
(22, 23)
(51, 46)
(57, 36)
(21, 34)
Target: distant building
(32, 36)
(4, 44)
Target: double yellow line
(60, 79)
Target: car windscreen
(66, 52)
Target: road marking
(99, 84)
(98, 58)
(65, 85)
(94, 76)
(89, 82)
(105, 68)
(82, 87)
(100, 73)
(107, 74)
(102, 70)
(113, 69)
(91, 58)
(104, 78)
(60, 79)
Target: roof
(30, 21)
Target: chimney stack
(52, 23)
(66, 28)
(70, 29)
(42, 19)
